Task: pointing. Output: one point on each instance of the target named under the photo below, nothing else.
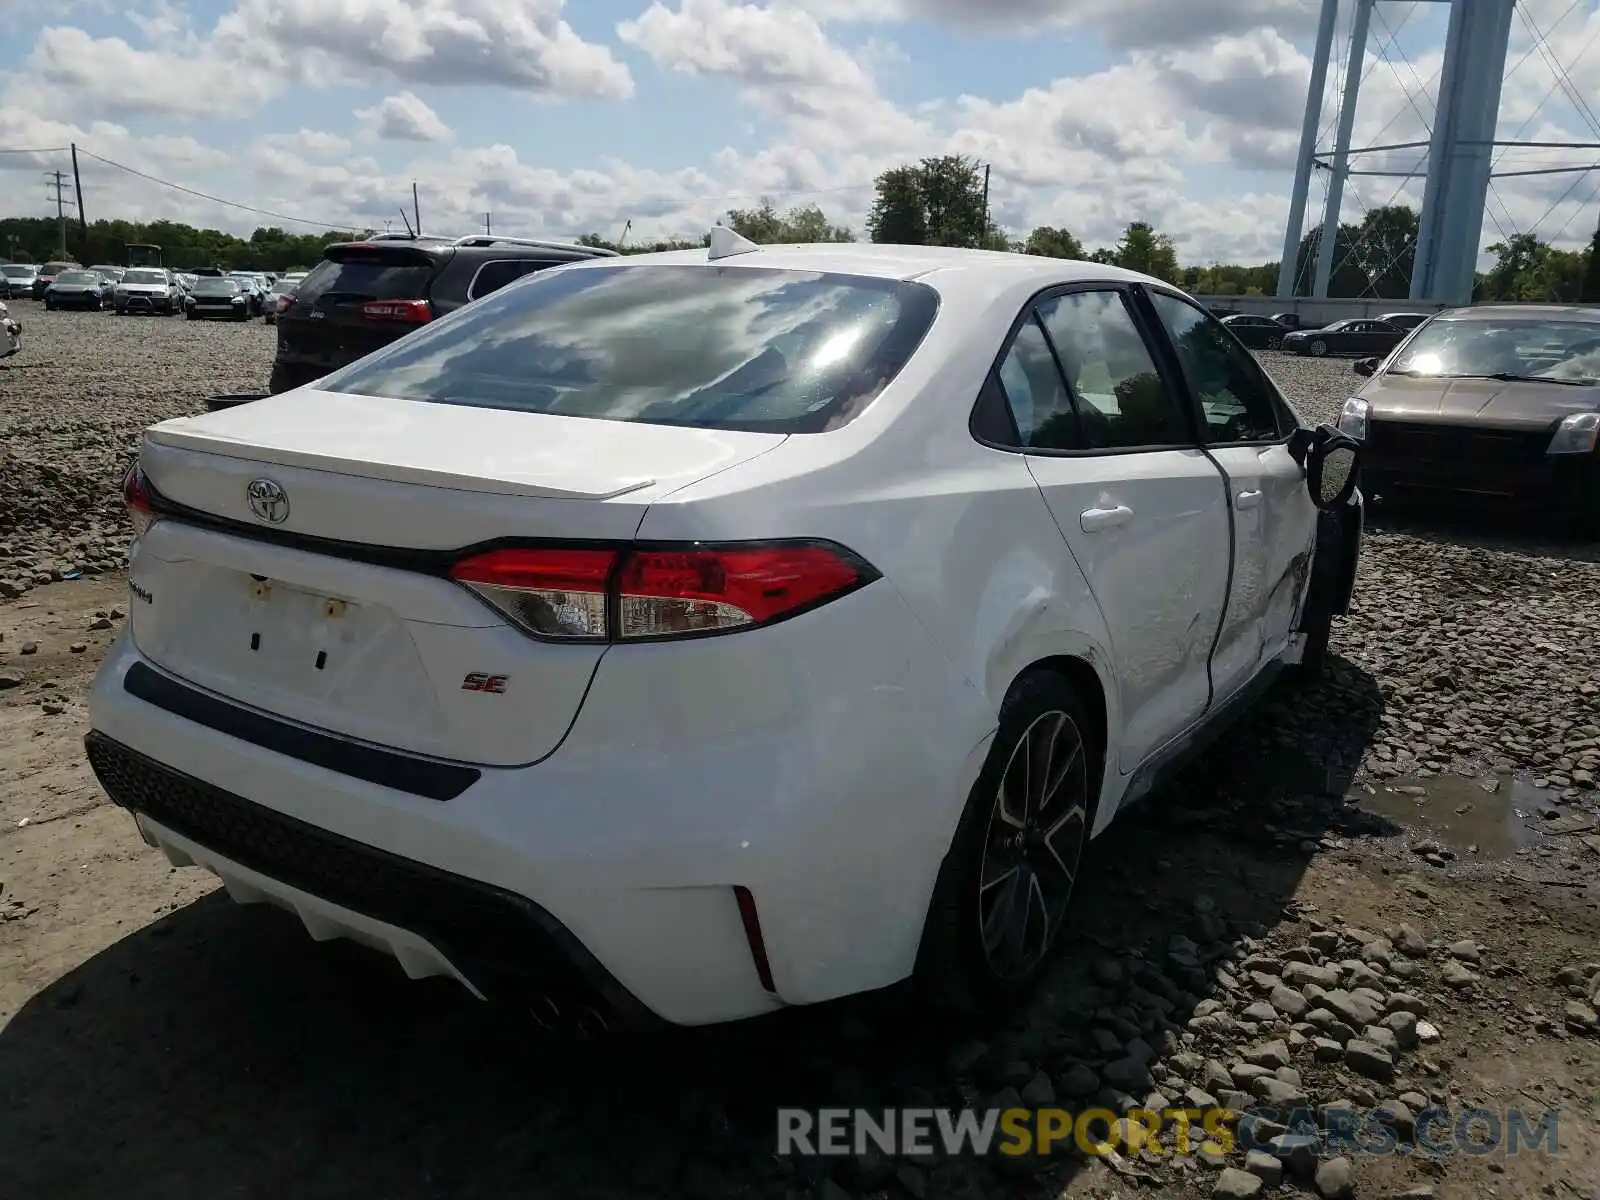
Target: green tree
(1386, 243)
(1348, 277)
(1589, 292)
(937, 202)
(1518, 260)
(1144, 250)
(1051, 242)
(767, 226)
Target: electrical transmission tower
(1458, 159)
(55, 183)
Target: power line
(189, 191)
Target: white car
(684, 636)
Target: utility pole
(488, 224)
(416, 208)
(57, 182)
(985, 233)
(77, 184)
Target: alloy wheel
(1319, 348)
(1033, 845)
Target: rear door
(1140, 505)
(1246, 427)
(326, 326)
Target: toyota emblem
(268, 500)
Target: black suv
(364, 295)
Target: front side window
(1123, 402)
(712, 347)
(1234, 395)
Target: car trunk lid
(327, 601)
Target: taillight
(284, 302)
(410, 312)
(136, 495)
(649, 593)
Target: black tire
(1275, 342)
(979, 946)
(188, 316)
(49, 305)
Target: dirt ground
(159, 1040)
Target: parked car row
(1356, 335)
(149, 289)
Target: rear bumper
(288, 374)
(821, 765)
(500, 945)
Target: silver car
(17, 279)
(148, 290)
(282, 289)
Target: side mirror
(1332, 467)
(1365, 366)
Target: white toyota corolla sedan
(680, 637)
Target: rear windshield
(15, 272)
(212, 286)
(137, 276)
(374, 278)
(77, 277)
(714, 347)
(57, 268)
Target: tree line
(941, 201)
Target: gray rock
(1402, 1024)
(1406, 1002)
(1279, 1094)
(1288, 1002)
(1467, 951)
(1372, 1061)
(1272, 1055)
(1456, 976)
(1264, 1167)
(1335, 1179)
(1080, 1081)
(1128, 1074)
(1354, 1009)
(1410, 942)
(1383, 1038)
(1300, 973)
(1260, 1012)
(1039, 1091)
(1580, 1017)
(1326, 1049)
(9, 679)
(1234, 1184)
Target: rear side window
(493, 276)
(366, 279)
(713, 347)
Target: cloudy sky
(578, 116)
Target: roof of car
(881, 261)
(1533, 312)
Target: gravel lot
(1378, 889)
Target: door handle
(1094, 520)
(1247, 499)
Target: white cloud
(403, 118)
(523, 45)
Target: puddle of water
(1463, 813)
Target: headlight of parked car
(1353, 417)
(1576, 434)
